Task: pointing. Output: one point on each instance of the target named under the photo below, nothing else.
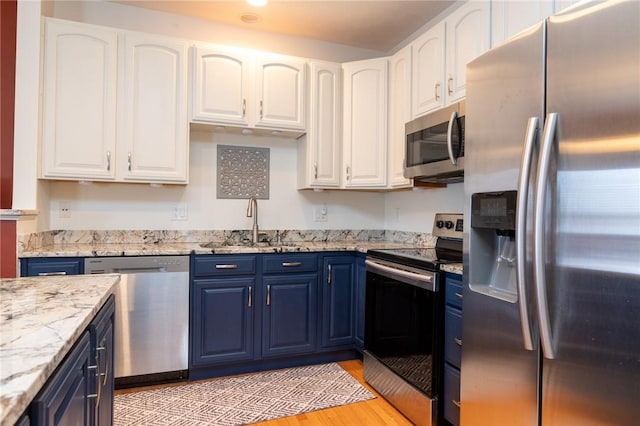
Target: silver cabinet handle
(315, 171)
(449, 88)
(227, 266)
(456, 403)
(250, 301)
(291, 264)
(108, 161)
(458, 341)
(521, 235)
(50, 274)
(329, 274)
(244, 108)
(268, 295)
(261, 110)
(129, 161)
(348, 175)
(459, 295)
(452, 119)
(437, 90)
(542, 179)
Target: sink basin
(218, 244)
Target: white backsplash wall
(415, 210)
(104, 206)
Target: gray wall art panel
(243, 172)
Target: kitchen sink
(225, 244)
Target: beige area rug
(243, 399)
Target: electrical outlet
(64, 210)
(180, 211)
(320, 213)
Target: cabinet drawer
(453, 292)
(283, 263)
(453, 335)
(452, 394)
(53, 266)
(223, 265)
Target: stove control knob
(440, 224)
(448, 224)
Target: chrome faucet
(252, 210)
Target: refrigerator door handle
(521, 234)
(542, 180)
(452, 120)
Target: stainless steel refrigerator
(551, 310)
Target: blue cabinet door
(68, 398)
(360, 292)
(289, 314)
(38, 266)
(222, 320)
(338, 300)
(102, 330)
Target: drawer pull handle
(250, 301)
(329, 274)
(459, 295)
(291, 264)
(51, 274)
(456, 403)
(227, 266)
(458, 341)
(268, 295)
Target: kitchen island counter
(41, 319)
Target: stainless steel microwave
(435, 146)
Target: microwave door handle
(542, 182)
(453, 119)
(521, 234)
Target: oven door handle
(399, 272)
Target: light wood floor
(373, 412)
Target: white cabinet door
(321, 149)
(365, 123)
(510, 17)
(559, 5)
(468, 36)
(221, 85)
(280, 97)
(154, 142)
(399, 114)
(428, 71)
(79, 101)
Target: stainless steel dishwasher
(152, 317)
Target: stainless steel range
(404, 322)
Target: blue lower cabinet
(222, 320)
(68, 398)
(338, 301)
(289, 314)
(452, 347)
(103, 344)
(42, 266)
(360, 296)
(452, 394)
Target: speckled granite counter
(149, 243)
(454, 268)
(41, 319)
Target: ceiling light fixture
(257, 3)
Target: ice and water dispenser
(492, 250)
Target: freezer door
(591, 234)
(499, 377)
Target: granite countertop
(40, 320)
(454, 268)
(180, 248)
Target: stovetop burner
(448, 249)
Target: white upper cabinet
(428, 71)
(511, 17)
(79, 101)
(399, 114)
(221, 85)
(468, 36)
(320, 150)
(238, 88)
(365, 123)
(154, 143)
(114, 105)
(280, 93)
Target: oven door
(403, 335)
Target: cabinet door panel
(510, 17)
(428, 71)
(79, 101)
(337, 301)
(280, 94)
(155, 113)
(221, 87)
(223, 320)
(289, 314)
(360, 291)
(399, 114)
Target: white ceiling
(373, 24)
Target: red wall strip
(8, 14)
